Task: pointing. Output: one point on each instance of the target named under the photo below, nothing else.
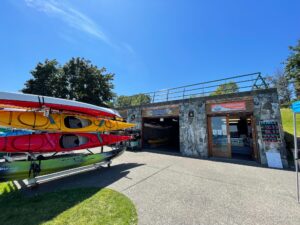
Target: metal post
(296, 155)
(153, 97)
(168, 95)
(183, 93)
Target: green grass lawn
(287, 121)
(75, 206)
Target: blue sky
(149, 45)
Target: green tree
(292, 68)
(280, 81)
(78, 80)
(227, 88)
(139, 99)
(44, 78)
(87, 83)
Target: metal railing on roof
(235, 84)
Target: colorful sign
(270, 131)
(229, 106)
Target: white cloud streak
(70, 16)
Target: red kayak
(30, 101)
(57, 142)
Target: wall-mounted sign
(191, 113)
(161, 111)
(229, 106)
(270, 131)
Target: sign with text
(270, 131)
(161, 111)
(229, 106)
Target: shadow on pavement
(101, 177)
(46, 201)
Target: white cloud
(70, 16)
(129, 48)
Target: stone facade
(266, 107)
(193, 129)
(134, 115)
(192, 115)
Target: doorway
(241, 137)
(161, 133)
(231, 136)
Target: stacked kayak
(29, 101)
(51, 125)
(13, 132)
(23, 169)
(56, 142)
(59, 122)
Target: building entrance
(231, 136)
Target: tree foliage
(227, 88)
(44, 77)
(292, 68)
(280, 81)
(78, 80)
(139, 99)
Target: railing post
(153, 97)
(183, 93)
(168, 95)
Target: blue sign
(296, 107)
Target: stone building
(245, 125)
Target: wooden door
(219, 136)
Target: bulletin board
(270, 131)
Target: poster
(224, 129)
(274, 160)
(270, 131)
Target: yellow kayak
(158, 141)
(59, 122)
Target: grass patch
(288, 121)
(75, 206)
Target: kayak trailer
(54, 176)
(56, 167)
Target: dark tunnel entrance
(161, 134)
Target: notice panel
(270, 131)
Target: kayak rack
(54, 176)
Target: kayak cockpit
(74, 122)
(72, 141)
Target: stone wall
(193, 129)
(134, 115)
(266, 107)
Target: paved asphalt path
(170, 189)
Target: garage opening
(161, 133)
